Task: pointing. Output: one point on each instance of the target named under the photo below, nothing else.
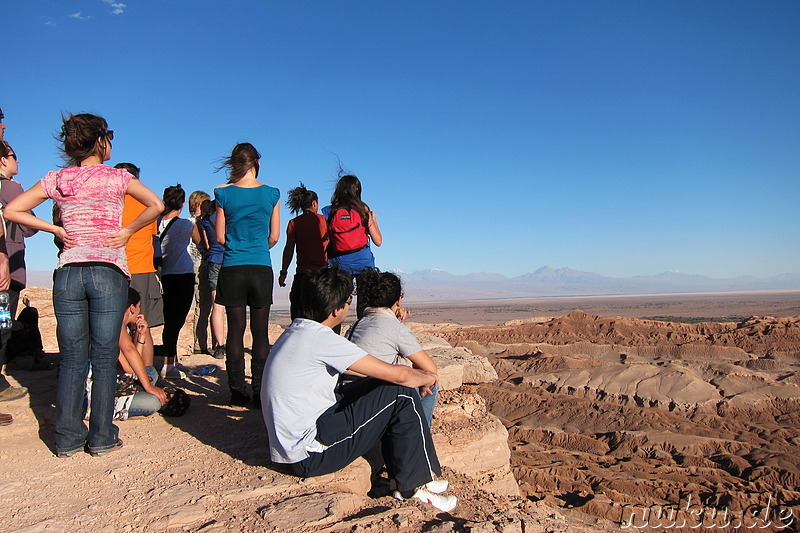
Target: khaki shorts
(149, 288)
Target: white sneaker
(175, 373)
(443, 503)
(437, 486)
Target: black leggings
(178, 296)
(259, 328)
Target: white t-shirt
(301, 373)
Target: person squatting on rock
(314, 430)
(247, 225)
(381, 334)
(15, 235)
(135, 365)
(309, 234)
(91, 280)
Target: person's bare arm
(374, 230)
(423, 361)
(131, 360)
(196, 237)
(154, 207)
(398, 374)
(219, 225)
(20, 210)
(144, 341)
(275, 225)
(288, 253)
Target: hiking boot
(239, 399)
(13, 393)
(5, 419)
(219, 352)
(441, 502)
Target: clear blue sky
(618, 137)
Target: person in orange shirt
(140, 251)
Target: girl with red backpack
(351, 227)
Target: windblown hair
(80, 135)
(300, 199)
(130, 167)
(323, 291)
(5, 149)
(243, 157)
(133, 297)
(378, 289)
(174, 198)
(347, 195)
(197, 198)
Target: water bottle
(205, 370)
(5, 311)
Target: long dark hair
(80, 135)
(347, 195)
(300, 199)
(244, 156)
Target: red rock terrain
(620, 416)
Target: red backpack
(347, 233)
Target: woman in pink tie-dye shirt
(91, 281)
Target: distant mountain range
(436, 284)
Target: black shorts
(245, 285)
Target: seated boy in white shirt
(314, 430)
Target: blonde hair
(197, 198)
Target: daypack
(347, 233)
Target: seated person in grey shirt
(314, 430)
(381, 334)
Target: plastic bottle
(205, 370)
(5, 311)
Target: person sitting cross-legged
(315, 429)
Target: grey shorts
(149, 288)
(213, 275)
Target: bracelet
(140, 342)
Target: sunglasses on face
(14, 156)
(109, 135)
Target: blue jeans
(144, 403)
(428, 403)
(89, 302)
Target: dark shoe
(201, 352)
(5, 419)
(13, 393)
(69, 453)
(239, 399)
(256, 402)
(219, 352)
(106, 451)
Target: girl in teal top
(247, 225)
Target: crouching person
(315, 430)
(136, 394)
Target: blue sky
(623, 138)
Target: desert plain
(559, 414)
